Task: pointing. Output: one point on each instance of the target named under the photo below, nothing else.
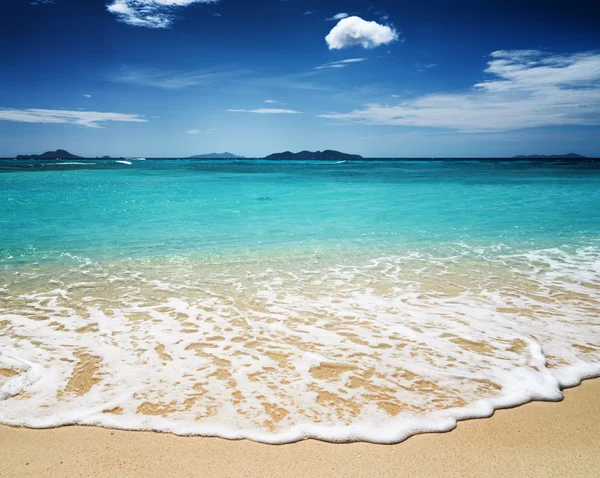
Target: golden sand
(538, 439)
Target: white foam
(124, 162)
(30, 373)
(63, 163)
(238, 350)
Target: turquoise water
(154, 208)
(362, 300)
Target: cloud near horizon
(526, 89)
(267, 111)
(89, 119)
(354, 31)
(150, 13)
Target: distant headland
(327, 154)
(553, 156)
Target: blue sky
(408, 79)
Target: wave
(124, 162)
(374, 350)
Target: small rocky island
(327, 154)
(216, 156)
(58, 154)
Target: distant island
(554, 156)
(216, 156)
(327, 154)
(302, 155)
(58, 154)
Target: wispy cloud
(90, 119)
(354, 31)
(173, 80)
(150, 13)
(340, 64)
(300, 81)
(338, 16)
(422, 68)
(267, 111)
(88, 96)
(525, 89)
(192, 131)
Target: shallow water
(275, 301)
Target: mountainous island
(302, 155)
(553, 156)
(58, 154)
(216, 156)
(327, 154)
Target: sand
(537, 439)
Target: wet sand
(537, 439)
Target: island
(58, 154)
(216, 156)
(553, 156)
(327, 154)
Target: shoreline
(535, 439)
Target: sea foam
(368, 349)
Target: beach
(537, 439)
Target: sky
(175, 78)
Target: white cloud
(82, 118)
(338, 16)
(340, 64)
(526, 89)
(302, 81)
(354, 31)
(192, 131)
(272, 102)
(422, 68)
(173, 80)
(267, 111)
(149, 13)
(88, 96)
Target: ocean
(280, 300)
